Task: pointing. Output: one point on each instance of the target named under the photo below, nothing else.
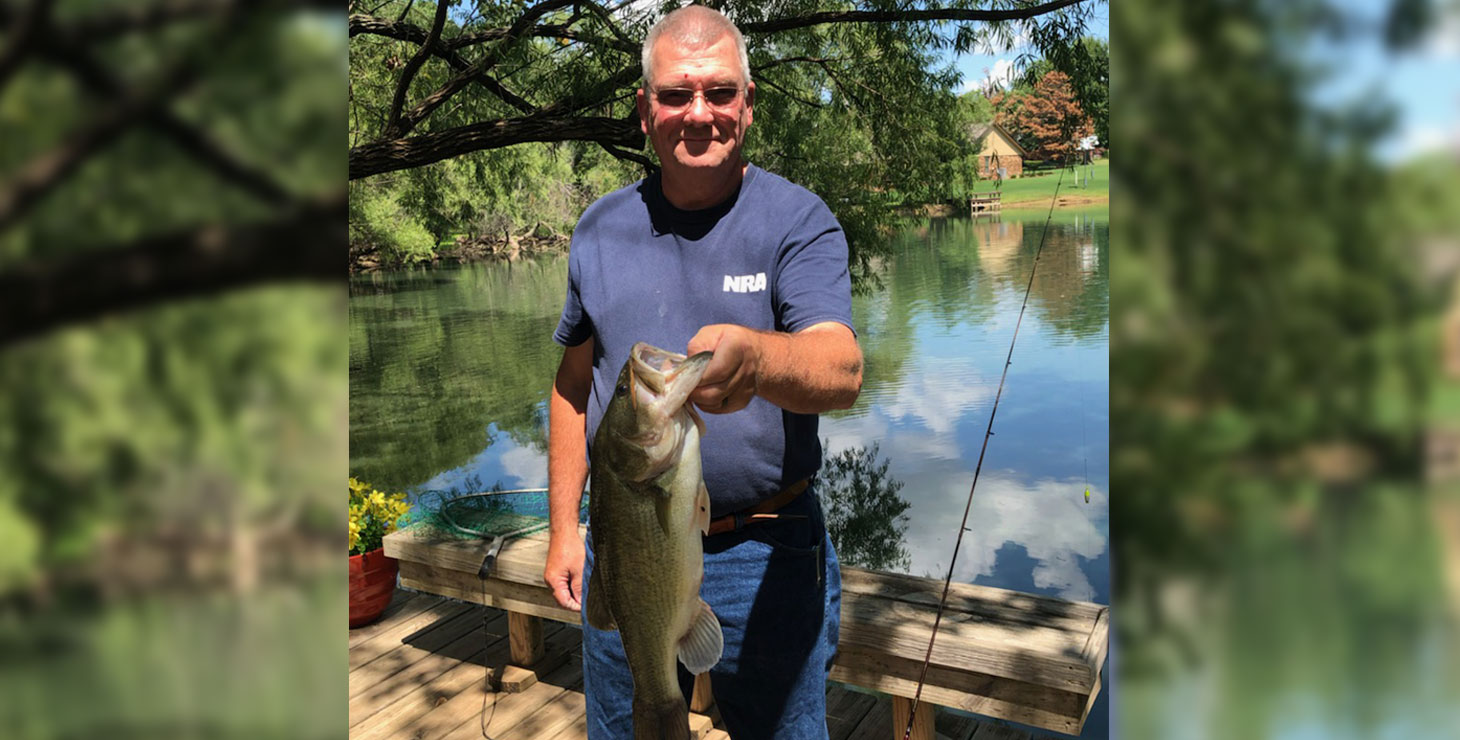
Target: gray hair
(694, 26)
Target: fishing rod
(1008, 360)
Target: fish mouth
(667, 376)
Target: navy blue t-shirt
(771, 257)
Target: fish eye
(621, 390)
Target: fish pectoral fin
(700, 648)
(595, 606)
(702, 509)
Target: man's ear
(641, 100)
(749, 103)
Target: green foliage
(378, 222)
(834, 110)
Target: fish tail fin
(666, 721)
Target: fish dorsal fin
(595, 606)
(700, 648)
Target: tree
(1048, 121)
(850, 101)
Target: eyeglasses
(679, 98)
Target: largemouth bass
(647, 513)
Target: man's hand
(816, 369)
(564, 570)
(729, 381)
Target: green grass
(1041, 187)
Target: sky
(1423, 83)
(1000, 63)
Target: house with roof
(999, 154)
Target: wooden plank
(700, 725)
(370, 696)
(845, 709)
(955, 726)
(402, 604)
(922, 726)
(877, 724)
(386, 640)
(536, 600)
(525, 632)
(461, 717)
(1029, 704)
(561, 703)
(381, 668)
(1031, 654)
(994, 731)
(438, 636)
(520, 561)
(575, 730)
(718, 735)
(466, 678)
(985, 602)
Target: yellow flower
(373, 514)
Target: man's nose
(699, 111)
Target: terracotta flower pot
(372, 584)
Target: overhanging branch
(423, 149)
(904, 16)
(308, 242)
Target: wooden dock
(1000, 654)
(421, 670)
(985, 203)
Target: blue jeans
(776, 589)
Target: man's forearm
(810, 371)
(567, 443)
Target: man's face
(706, 127)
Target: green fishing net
(487, 514)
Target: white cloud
(527, 465)
(915, 426)
(1443, 41)
(993, 46)
(1048, 518)
(1426, 139)
(1002, 74)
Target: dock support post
(702, 699)
(524, 633)
(922, 725)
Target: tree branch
(441, 95)
(767, 81)
(185, 135)
(125, 18)
(23, 36)
(628, 156)
(408, 32)
(374, 26)
(43, 173)
(904, 16)
(408, 73)
(309, 242)
(399, 154)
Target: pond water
(450, 371)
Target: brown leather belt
(763, 511)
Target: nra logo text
(745, 283)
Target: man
(713, 253)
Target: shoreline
(528, 246)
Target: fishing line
(1008, 360)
